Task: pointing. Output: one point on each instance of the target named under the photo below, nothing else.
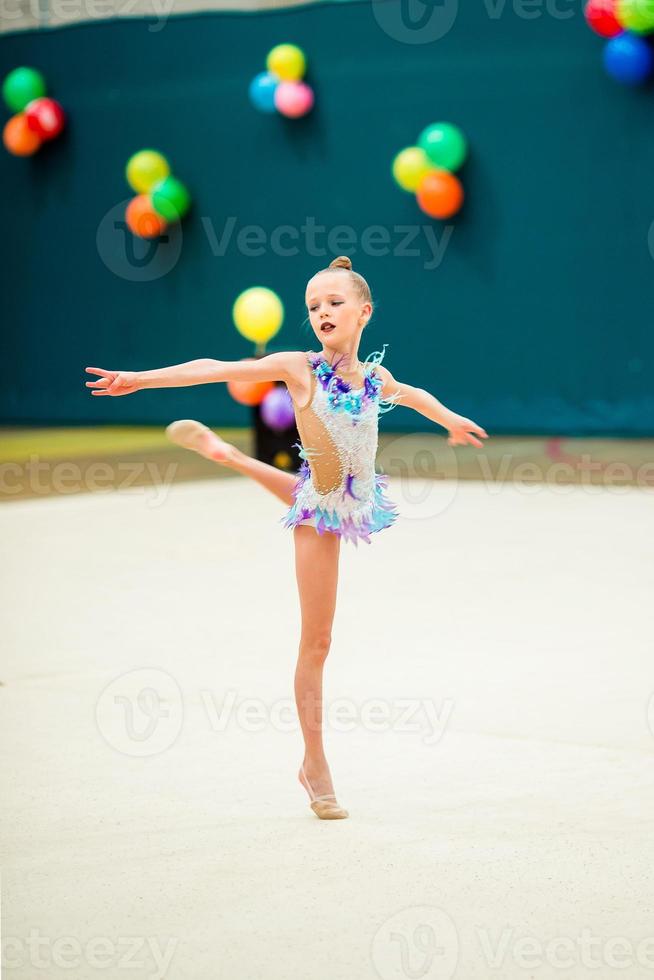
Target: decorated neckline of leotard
(341, 395)
(328, 370)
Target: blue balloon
(262, 91)
(628, 58)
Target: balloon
(440, 194)
(171, 199)
(282, 460)
(277, 409)
(258, 314)
(293, 99)
(45, 117)
(18, 138)
(601, 17)
(249, 392)
(142, 219)
(145, 169)
(410, 166)
(636, 15)
(444, 144)
(262, 91)
(287, 62)
(628, 59)
(21, 86)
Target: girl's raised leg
(316, 567)
(196, 436)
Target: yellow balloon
(145, 169)
(410, 166)
(282, 460)
(287, 62)
(258, 314)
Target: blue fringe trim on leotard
(381, 514)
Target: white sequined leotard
(337, 489)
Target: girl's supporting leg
(196, 436)
(316, 567)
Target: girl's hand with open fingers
(113, 382)
(463, 431)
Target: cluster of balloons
(628, 55)
(161, 198)
(37, 118)
(274, 401)
(427, 169)
(258, 314)
(280, 88)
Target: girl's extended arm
(459, 427)
(281, 366)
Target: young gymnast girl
(337, 494)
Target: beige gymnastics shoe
(198, 437)
(324, 806)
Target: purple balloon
(277, 409)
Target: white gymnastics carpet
(489, 728)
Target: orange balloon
(18, 138)
(249, 392)
(142, 219)
(440, 193)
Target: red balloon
(45, 117)
(601, 17)
(440, 193)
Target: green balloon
(444, 144)
(21, 86)
(171, 199)
(636, 15)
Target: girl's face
(336, 313)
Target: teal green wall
(538, 318)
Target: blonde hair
(361, 287)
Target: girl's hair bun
(342, 262)
(355, 280)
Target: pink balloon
(293, 99)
